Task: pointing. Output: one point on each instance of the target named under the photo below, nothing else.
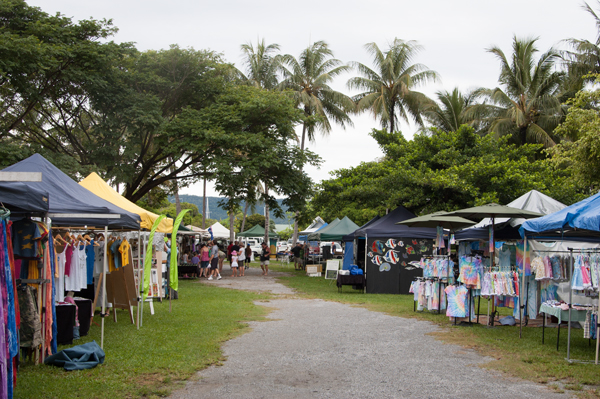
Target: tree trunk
(391, 114)
(177, 201)
(267, 221)
(244, 217)
(204, 205)
(295, 235)
(231, 217)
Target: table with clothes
(561, 312)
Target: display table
(189, 269)
(576, 315)
(84, 314)
(65, 321)
(357, 280)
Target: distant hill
(218, 213)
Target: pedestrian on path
(234, 263)
(265, 255)
(241, 259)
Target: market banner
(173, 280)
(148, 259)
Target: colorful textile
(520, 257)
(457, 301)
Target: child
(234, 263)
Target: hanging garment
(124, 250)
(457, 301)
(504, 257)
(90, 258)
(60, 280)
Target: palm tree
(452, 110)
(529, 107)
(309, 77)
(389, 89)
(584, 59)
(262, 67)
(261, 64)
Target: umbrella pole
(366, 251)
(492, 261)
(140, 246)
(104, 287)
(521, 306)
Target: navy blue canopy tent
(68, 197)
(20, 198)
(388, 250)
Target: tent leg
(104, 287)
(570, 306)
(137, 294)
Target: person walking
(215, 251)
(248, 256)
(265, 255)
(234, 263)
(241, 259)
(297, 259)
(204, 260)
(214, 264)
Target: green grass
(523, 357)
(168, 348)
(171, 347)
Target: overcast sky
(455, 35)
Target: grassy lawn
(151, 362)
(525, 358)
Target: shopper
(234, 263)
(241, 259)
(214, 265)
(248, 256)
(297, 259)
(265, 255)
(204, 260)
(215, 251)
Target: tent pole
(104, 263)
(366, 248)
(570, 306)
(137, 294)
(141, 290)
(597, 327)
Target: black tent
(389, 249)
(20, 198)
(68, 197)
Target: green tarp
(334, 231)
(257, 231)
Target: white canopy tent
(220, 231)
(316, 224)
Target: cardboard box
(312, 269)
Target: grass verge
(168, 349)
(525, 357)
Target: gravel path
(319, 349)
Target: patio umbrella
(493, 211)
(441, 219)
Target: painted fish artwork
(400, 244)
(377, 247)
(392, 257)
(370, 254)
(378, 260)
(391, 243)
(385, 267)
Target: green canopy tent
(335, 231)
(257, 231)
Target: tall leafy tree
(309, 77)
(528, 105)
(389, 88)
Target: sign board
(331, 269)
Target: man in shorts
(265, 255)
(297, 258)
(214, 265)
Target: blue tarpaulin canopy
(66, 196)
(578, 219)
